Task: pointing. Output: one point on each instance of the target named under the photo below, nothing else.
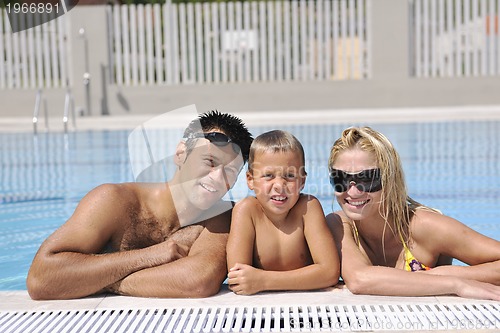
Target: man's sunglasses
(217, 138)
(365, 180)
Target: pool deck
(332, 298)
(338, 295)
(336, 299)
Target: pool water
(453, 166)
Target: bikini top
(411, 264)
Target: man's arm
(200, 274)
(67, 264)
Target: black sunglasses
(217, 138)
(365, 180)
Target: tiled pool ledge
(333, 309)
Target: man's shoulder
(119, 189)
(122, 193)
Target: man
(127, 238)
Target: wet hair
(395, 202)
(230, 125)
(276, 141)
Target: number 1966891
(32, 8)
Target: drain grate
(350, 318)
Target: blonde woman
(393, 245)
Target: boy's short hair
(276, 141)
(228, 124)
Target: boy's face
(208, 171)
(277, 179)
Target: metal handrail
(36, 111)
(69, 103)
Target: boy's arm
(242, 235)
(324, 271)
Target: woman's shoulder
(430, 224)
(426, 217)
(308, 199)
(337, 216)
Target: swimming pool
(453, 166)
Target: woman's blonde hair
(395, 202)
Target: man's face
(209, 171)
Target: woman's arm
(361, 277)
(452, 238)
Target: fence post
(88, 54)
(390, 39)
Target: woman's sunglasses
(365, 180)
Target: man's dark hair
(228, 124)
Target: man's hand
(169, 251)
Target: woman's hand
(478, 290)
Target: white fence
(241, 41)
(255, 41)
(36, 57)
(454, 38)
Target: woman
(393, 245)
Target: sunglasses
(217, 138)
(365, 180)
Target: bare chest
(144, 230)
(281, 249)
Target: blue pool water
(452, 166)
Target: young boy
(279, 239)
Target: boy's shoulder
(307, 199)
(307, 203)
(306, 196)
(247, 203)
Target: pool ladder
(69, 107)
(69, 102)
(38, 101)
